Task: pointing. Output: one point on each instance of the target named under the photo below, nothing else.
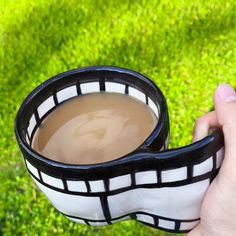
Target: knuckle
(200, 121)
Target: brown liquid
(94, 128)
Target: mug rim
(160, 126)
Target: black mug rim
(163, 114)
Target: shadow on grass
(28, 46)
(45, 30)
(191, 33)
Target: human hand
(218, 210)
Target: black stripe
(165, 229)
(105, 208)
(102, 84)
(106, 184)
(121, 190)
(40, 176)
(38, 123)
(189, 172)
(86, 222)
(33, 132)
(156, 220)
(31, 139)
(126, 89)
(214, 161)
(65, 185)
(177, 225)
(36, 114)
(146, 97)
(78, 88)
(54, 95)
(159, 179)
(132, 216)
(133, 182)
(87, 186)
(215, 173)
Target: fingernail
(226, 93)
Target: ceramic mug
(158, 187)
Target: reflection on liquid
(94, 128)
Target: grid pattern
(95, 215)
(145, 179)
(106, 193)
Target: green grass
(186, 48)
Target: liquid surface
(94, 128)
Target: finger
(203, 125)
(195, 232)
(225, 107)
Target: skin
(218, 210)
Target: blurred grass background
(186, 47)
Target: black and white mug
(159, 187)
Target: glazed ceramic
(158, 187)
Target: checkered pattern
(171, 202)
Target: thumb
(225, 107)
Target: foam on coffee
(94, 128)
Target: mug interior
(55, 91)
